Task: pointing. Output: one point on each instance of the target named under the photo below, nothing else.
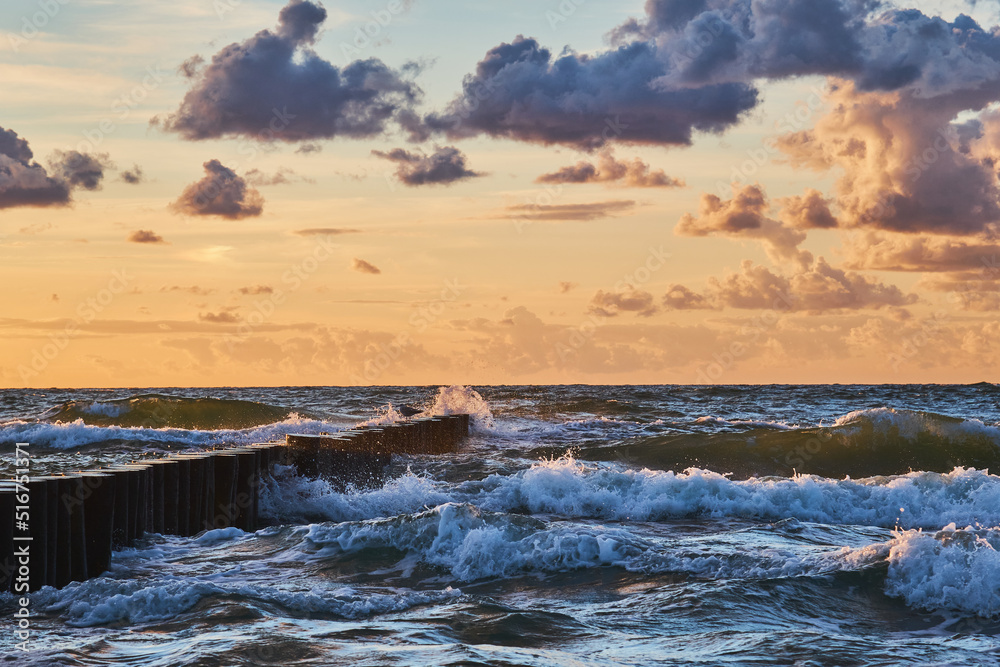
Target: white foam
(753, 423)
(570, 488)
(75, 434)
(952, 569)
(293, 499)
(457, 399)
(573, 489)
(473, 544)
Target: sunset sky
(256, 192)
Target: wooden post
(98, 512)
(225, 484)
(8, 563)
(38, 507)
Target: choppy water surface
(764, 525)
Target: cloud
(24, 182)
(194, 289)
(816, 289)
(745, 216)
(223, 317)
(80, 170)
(636, 174)
(972, 290)
(808, 211)
(283, 176)
(325, 231)
(632, 300)
(361, 266)
(145, 236)
(904, 165)
(574, 212)
(221, 192)
(308, 149)
(256, 289)
(519, 91)
(897, 252)
(879, 47)
(274, 87)
(446, 165)
(566, 286)
(133, 176)
(679, 297)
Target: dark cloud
(273, 87)
(635, 173)
(145, 236)
(574, 212)
(632, 300)
(446, 165)
(692, 66)
(24, 182)
(307, 149)
(519, 91)
(876, 46)
(362, 266)
(326, 231)
(80, 170)
(190, 68)
(221, 192)
(133, 176)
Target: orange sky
(334, 270)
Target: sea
(578, 525)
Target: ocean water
(579, 525)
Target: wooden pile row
(58, 529)
(358, 456)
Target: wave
(78, 433)
(160, 411)
(952, 569)
(105, 600)
(864, 443)
(573, 489)
(458, 399)
(472, 544)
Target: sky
(266, 193)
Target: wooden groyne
(62, 528)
